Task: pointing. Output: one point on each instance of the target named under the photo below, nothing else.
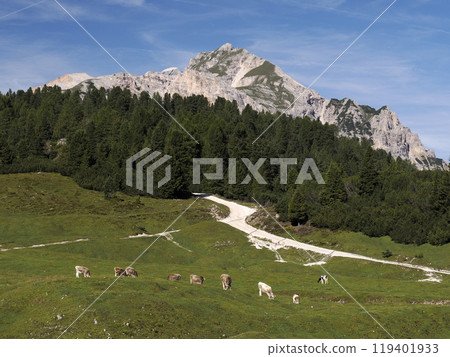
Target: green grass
(266, 69)
(40, 283)
(359, 243)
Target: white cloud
(128, 2)
(312, 4)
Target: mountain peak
(67, 81)
(227, 47)
(171, 71)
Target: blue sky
(402, 61)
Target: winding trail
(239, 214)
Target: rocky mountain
(236, 74)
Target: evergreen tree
(158, 136)
(215, 147)
(297, 208)
(368, 177)
(181, 149)
(441, 192)
(334, 188)
(238, 147)
(77, 150)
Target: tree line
(89, 136)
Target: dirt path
(46, 244)
(237, 219)
(166, 235)
(146, 235)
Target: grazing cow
(323, 279)
(296, 299)
(264, 288)
(131, 272)
(226, 281)
(82, 270)
(174, 277)
(196, 279)
(119, 271)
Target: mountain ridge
(236, 74)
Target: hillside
(238, 75)
(41, 296)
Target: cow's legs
(260, 294)
(77, 274)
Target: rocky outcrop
(67, 81)
(236, 74)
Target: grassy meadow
(40, 296)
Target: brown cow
(174, 277)
(131, 272)
(119, 271)
(226, 281)
(196, 279)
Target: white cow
(226, 281)
(323, 279)
(82, 270)
(296, 299)
(264, 288)
(196, 279)
(131, 272)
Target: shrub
(386, 254)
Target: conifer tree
(158, 136)
(297, 208)
(181, 149)
(369, 179)
(334, 188)
(441, 192)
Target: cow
(226, 281)
(296, 299)
(82, 270)
(174, 277)
(264, 288)
(196, 279)
(131, 272)
(119, 272)
(323, 279)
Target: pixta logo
(309, 167)
(253, 170)
(149, 170)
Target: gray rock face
(236, 74)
